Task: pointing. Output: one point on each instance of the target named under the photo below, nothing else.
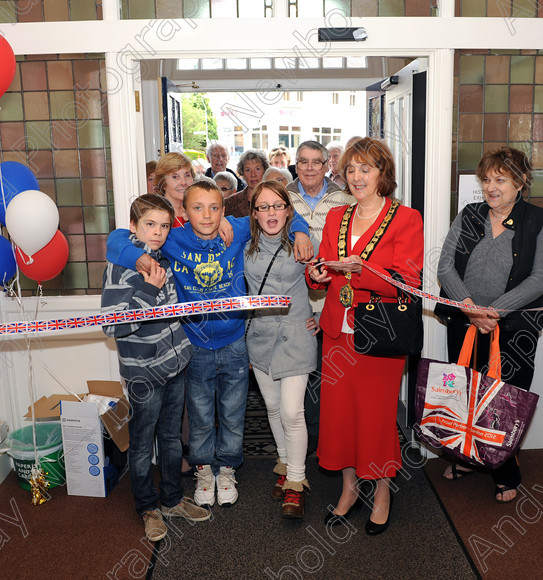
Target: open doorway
(263, 102)
(237, 120)
(375, 96)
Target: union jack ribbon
(465, 432)
(168, 311)
(415, 291)
(422, 294)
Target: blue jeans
(157, 410)
(217, 380)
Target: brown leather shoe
(293, 504)
(155, 528)
(277, 492)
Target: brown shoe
(155, 528)
(277, 492)
(187, 509)
(293, 504)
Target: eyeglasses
(316, 163)
(226, 188)
(276, 206)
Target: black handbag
(389, 328)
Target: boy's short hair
(149, 202)
(206, 186)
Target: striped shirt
(150, 352)
(316, 218)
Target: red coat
(400, 248)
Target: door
(405, 134)
(171, 128)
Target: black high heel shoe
(373, 529)
(335, 519)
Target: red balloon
(7, 65)
(48, 262)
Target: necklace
(498, 216)
(373, 214)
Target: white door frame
(126, 125)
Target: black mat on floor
(257, 436)
(250, 540)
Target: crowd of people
(300, 227)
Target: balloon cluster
(29, 215)
(31, 219)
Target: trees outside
(199, 123)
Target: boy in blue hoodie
(217, 375)
(152, 356)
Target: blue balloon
(14, 178)
(8, 265)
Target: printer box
(95, 445)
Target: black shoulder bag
(389, 328)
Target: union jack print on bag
(472, 416)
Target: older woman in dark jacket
(493, 256)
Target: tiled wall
(498, 101)
(259, 8)
(49, 10)
(499, 8)
(304, 8)
(54, 119)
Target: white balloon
(32, 220)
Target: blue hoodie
(203, 270)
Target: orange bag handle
(494, 359)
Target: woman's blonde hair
(170, 163)
(279, 151)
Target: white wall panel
(72, 356)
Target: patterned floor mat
(258, 439)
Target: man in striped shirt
(313, 196)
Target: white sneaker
(204, 494)
(227, 494)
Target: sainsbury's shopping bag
(471, 416)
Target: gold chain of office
(346, 294)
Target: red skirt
(359, 402)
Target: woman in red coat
(359, 393)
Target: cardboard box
(94, 446)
